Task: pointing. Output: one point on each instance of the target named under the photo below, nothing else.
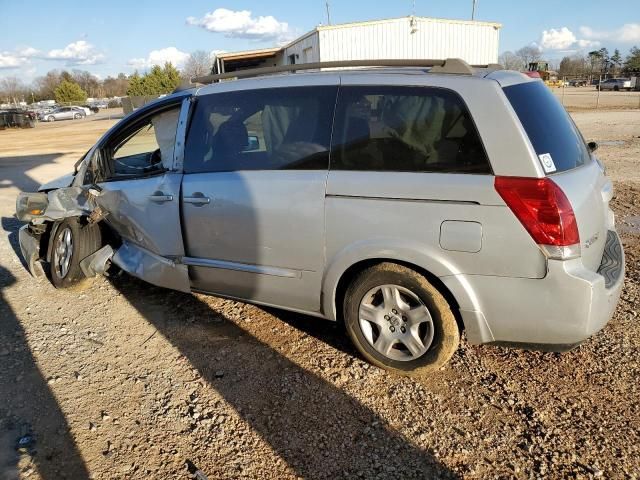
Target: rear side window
(408, 129)
(554, 136)
(265, 129)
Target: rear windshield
(554, 136)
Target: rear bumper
(564, 308)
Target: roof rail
(450, 65)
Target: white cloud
(584, 43)
(160, 57)
(9, 60)
(17, 58)
(564, 40)
(561, 39)
(77, 53)
(240, 24)
(627, 33)
(28, 52)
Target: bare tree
(46, 85)
(529, 54)
(198, 64)
(510, 61)
(12, 89)
(87, 82)
(116, 87)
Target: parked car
(615, 84)
(578, 83)
(64, 113)
(409, 205)
(16, 117)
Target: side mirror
(593, 146)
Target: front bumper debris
(30, 248)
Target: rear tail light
(544, 211)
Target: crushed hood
(60, 182)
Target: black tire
(51, 118)
(77, 116)
(446, 335)
(616, 88)
(86, 239)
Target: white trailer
(402, 38)
(398, 38)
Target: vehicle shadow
(316, 428)
(327, 331)
(29, 407)
(13, 170)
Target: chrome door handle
(160, 197)
(198, 199)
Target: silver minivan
(410, 203)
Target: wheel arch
(352, 271)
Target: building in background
(396, 38)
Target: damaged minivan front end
(82, 223)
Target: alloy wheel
(62, 253)
(395, 322)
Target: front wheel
(72, 241)
(77, 116)
(399, 321)
(51, 118)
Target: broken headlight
(30, 205)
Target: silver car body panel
(286, 238)
(60, 182)
(260, 237)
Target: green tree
(70, 92)
(632, 62)
(157, 81)
(616, 61)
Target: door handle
(160, 197)
(198, 199)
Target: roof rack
(450, 65)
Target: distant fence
(576, 98)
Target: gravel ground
(125, 380)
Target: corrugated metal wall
(306, 49)
(477, 43)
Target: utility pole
(328, 13)
(473, 10)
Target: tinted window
(267, 129)
(548, 125)
(410, 129)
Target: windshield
(554, 136)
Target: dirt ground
(125, 380)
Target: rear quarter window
(548, 126)
(405, 129)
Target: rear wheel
(399, 321)
(616, 88)
(77, 116)
(72, 241)
(51, 118)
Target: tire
(616, 89)
(51, 118)
(76, 116)
(439, 335)
(82, 239)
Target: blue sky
(121, 36)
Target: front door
(140, 194)
(253, 194)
